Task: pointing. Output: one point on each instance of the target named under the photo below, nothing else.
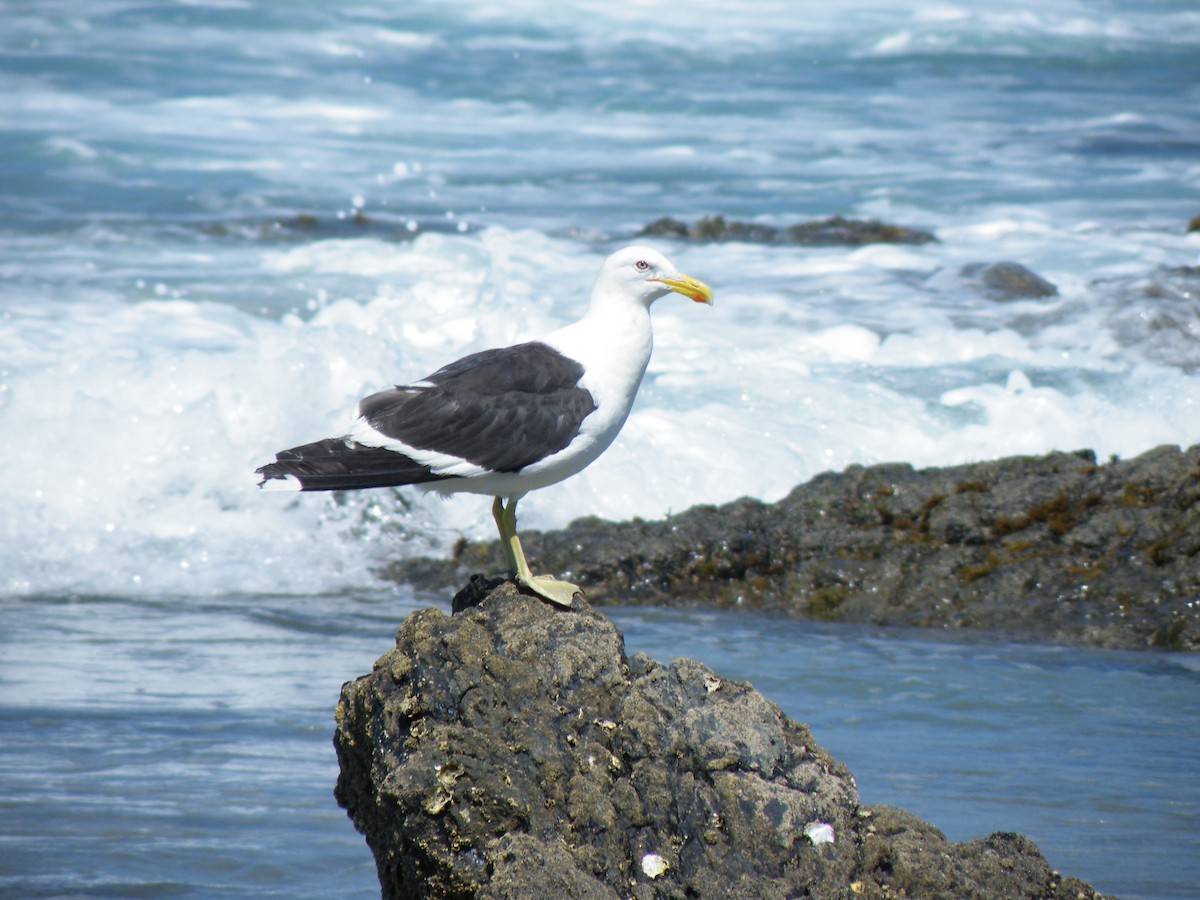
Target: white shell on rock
(819, 833)
(653, 865)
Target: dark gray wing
(499, 409)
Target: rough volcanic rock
(512, 750)
(834, 231)
(1048, 548)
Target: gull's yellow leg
(505, 544)
(560, 592)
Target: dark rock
(855, 233)
(1194, 224)
(1186, 272)
(512, 750)
(1008, 281)
(307, 226)
(910, 858)
(715, 228)
(666, 227)
(834, 231)
(1053, 548)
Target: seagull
(508, 421)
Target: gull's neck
(615, 333)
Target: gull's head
(645, 274)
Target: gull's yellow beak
(689, 287)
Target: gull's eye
(641, 265)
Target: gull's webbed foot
(560, 592)
(545, 586)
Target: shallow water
(182, 747)
(222, 223)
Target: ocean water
(181, 746)
(222, 223)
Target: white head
(645, 274)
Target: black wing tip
(276, 477)
(340, 464)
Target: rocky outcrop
(512, 750)
(833, 231)
(1052, 548)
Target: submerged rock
(1048, 548)
(834, 231)
(512, 750)
(1008, 281)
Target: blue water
(182, 746)
(170, 316)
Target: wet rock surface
(512, 750)
(1055, 548)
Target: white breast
(614, 348)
